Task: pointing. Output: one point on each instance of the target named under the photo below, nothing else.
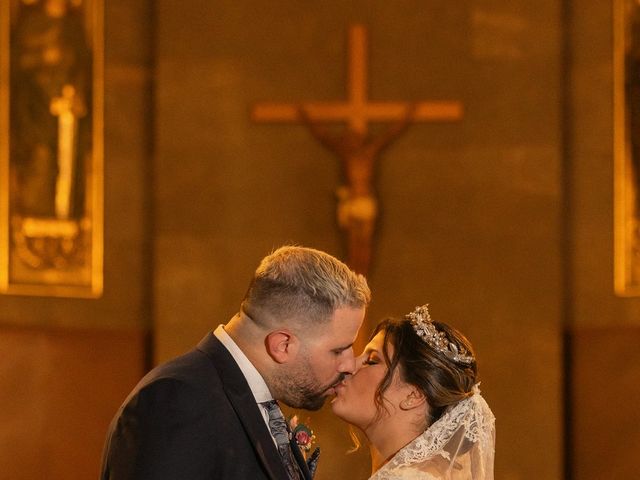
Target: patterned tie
(279, 430)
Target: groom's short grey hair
(303, 284)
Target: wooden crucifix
(357, 150)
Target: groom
(210, 414)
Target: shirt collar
(258, 386)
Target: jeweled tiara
(427, 331)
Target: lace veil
(460, 445)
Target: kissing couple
(214, 412)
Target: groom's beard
(300, 389)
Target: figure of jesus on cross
(357, 150)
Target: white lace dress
(460, 445)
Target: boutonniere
(302, 434)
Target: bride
(415, 396)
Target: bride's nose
(347, 362)
(359, 362)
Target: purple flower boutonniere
(303, 435)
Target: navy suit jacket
(193, 418)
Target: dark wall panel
(59, 390)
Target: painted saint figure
(50, 102)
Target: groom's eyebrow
(342, 349)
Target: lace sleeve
(408, 473)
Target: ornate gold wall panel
(51, 150)
(626, 60)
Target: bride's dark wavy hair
(443, 381)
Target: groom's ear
(415, 398)
(282, 345)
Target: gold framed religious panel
(51, 147)
(626, 132)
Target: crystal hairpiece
(427, 331)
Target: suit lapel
(243, 402)
(300, 459)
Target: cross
(357, 206)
